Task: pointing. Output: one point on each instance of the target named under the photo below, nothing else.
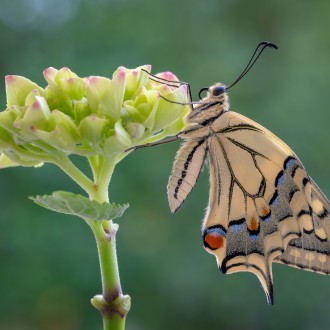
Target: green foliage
(80, 206)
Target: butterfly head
(217, 94)
(211, 106)
(216, 91)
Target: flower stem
(112, 304)
(105, 239)
(103, 180)
(75, 174)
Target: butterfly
(263, 206)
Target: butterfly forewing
(186, 169)
(263, 206)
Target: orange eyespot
(214, 240)
(214, 237)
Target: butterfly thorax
(210, 107)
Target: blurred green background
(48, 262)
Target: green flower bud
(63, 134)
(18, 88)
(70, 84)
(165, 115)
(135, 130)
(92, 129)
(61, 118)
(143, 108)
(94, 116)
(106, 96)
(58, 92)
(31, 97)
(81, 110)
(118, 142)
(59, 138)
(36, 116)
(134, 79)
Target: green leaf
(81, 206)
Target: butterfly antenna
(258, 51)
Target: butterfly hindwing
(310, 251)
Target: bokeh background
(48, 262)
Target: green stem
(108, 259)
(113, 305)
(75, 174)
(102, 182)
(95, 162)
(115, 323)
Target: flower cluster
(87, 116)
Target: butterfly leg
(171, 83)
(152, 144)
(162, 80)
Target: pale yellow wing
(188, 163)
(263, 206)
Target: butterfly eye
(214, 237)
(217, 91)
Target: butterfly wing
(186, 169)
(310, 251)
(263, 206)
